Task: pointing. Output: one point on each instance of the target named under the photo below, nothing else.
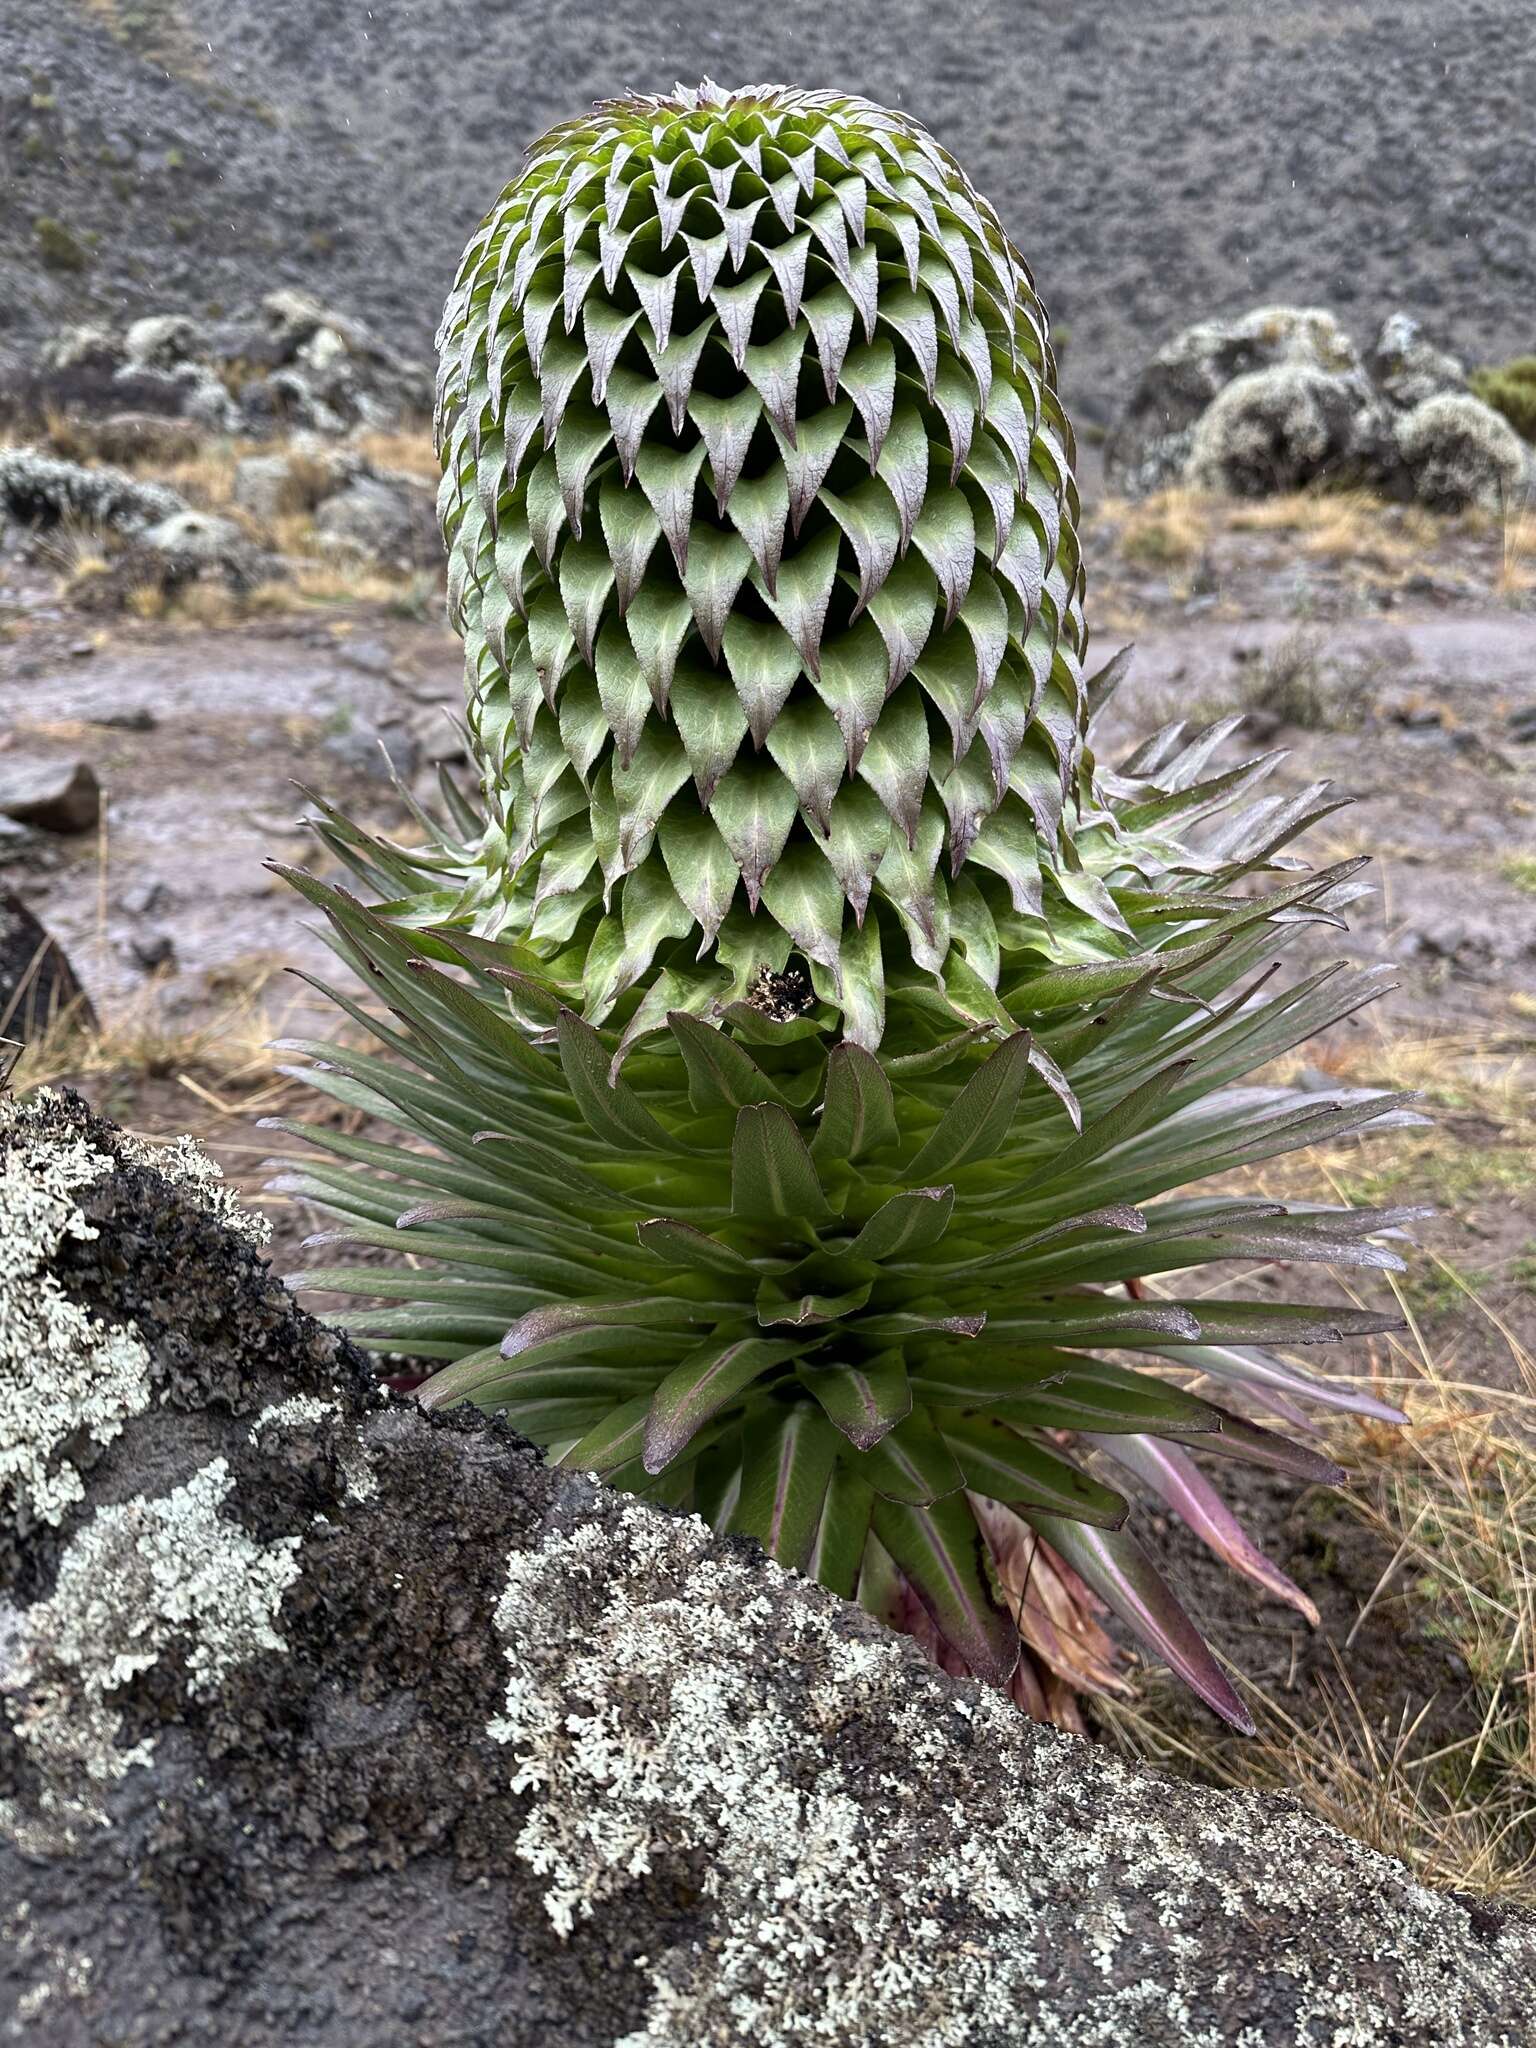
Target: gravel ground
(1156, 164)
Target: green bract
(760, 518)
(801, 1048)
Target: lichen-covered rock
(1406, 366)
(1280, 398)
(322, 1719)
(160, 341)
(1274, 430)
(37, 489)
(1150, 445)
(1460, 452)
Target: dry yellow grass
(1174, 530)
(408, 450)
(1517, 566)
(1452, 1498)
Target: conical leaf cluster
(761, 525)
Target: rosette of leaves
(801, 1073)
(887, 1311)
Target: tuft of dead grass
(1452, 1498)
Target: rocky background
(1153, 162)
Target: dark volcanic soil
(1154, 163)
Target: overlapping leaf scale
(759, 505)
(889, 1313)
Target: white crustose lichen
(140, 1580)
(651, 1723)
(64, 1374)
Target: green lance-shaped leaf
(706, 1381)
(1021, 1473)
(764, 665)
(630, 533)
(979, 1119)
(801, 895)
(943, 1555)
(907, 1224)
(722, 1074)
(727, 426)
(773, 1178)
(865, 1400)
(669, 478)
(858, 1111)
(680, 1244)
(810, 455)
(610, 1106)
(787, 1464)
(842, 1534)
(797, 1303)
(754, 808)
(612, 1443)
(912, 1462)
(699, 865)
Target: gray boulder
(1274, 430)
(53, 796)
(322, 1719)
(267, 486)
(196, 536)
(75, 347)
(1459, 452)
(39, 490)
(188, 547)
(161, 341)
(1407, 368)
(1149, 447)
(1281, 398)
(386, 519)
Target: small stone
(56, 796)
(371, 656)
(381, 752)
(132, 718)
(82, 650)
(144, 899)
(1522, 725)
(152, 950)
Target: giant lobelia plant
(802, 1047)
